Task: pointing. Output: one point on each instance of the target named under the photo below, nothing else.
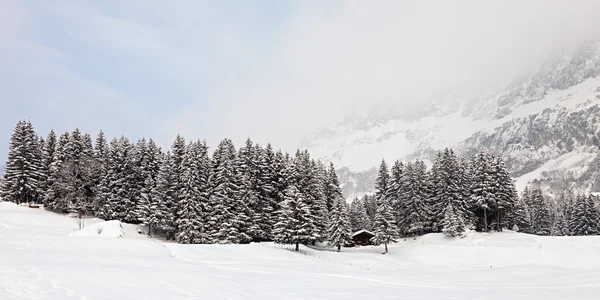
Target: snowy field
(44, 256)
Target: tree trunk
(485, 222)
(339, 247)
(297, 247)
(386, 250)
(498, 227)
(149, 229)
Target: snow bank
(110, 229)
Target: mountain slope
(537, 118)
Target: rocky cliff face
(545, 125)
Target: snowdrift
(105, 229)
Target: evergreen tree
(385, 230)
(295, 223)
(338, 233)
(382, 184)
(47, 161)
(395, 193)
(585, 217)
(162, 200)
(247, 166)
(482, 188)
(189, 225)
(505, 194)
(54, 191)
(229, 220)
(454, 224)
(416, 214)
(559, 228)
(332, 187)
(521, 219)
(540, 214)
(23, 171)
(358, 215)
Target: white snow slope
(39, 259)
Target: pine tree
(385, 230)
(358, 215)
(190, 229)
(23, 171)
(521, 219)
(506, 195)
(453, 224)
(229, 220)
(162, 200)
(559, 228)
(54, 191)
(295, 223)
(482, 188)
(338, 233)
(540, 213)
(266, 178)
(447, 189)
(382, 184)
(416, 214)
(150, 168)
(247, 165)
(47, 161)
(395, 193)
(332, 187)
(585, 217)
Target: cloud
(273, 72)
(330, 58)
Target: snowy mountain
(544, 124)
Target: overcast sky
(271, 70)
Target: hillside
(44, 256)
(538, 118)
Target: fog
(273, 72)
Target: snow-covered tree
(414, 208)
(194, 197)
(541, 224)
(521, 219)
(585, 217)
(338, 233)
(359, 219)
(385, 230)
(23, 171)
(382, 184)
(295, 223)
(483, 188)
(229, 221)
(453, 224)
(48, 157)
(162, 200)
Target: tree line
(455, 195)
(185, 194)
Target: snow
(111, 229)
(361, 231)
(362, 148)
(576, 161)
(40, 258)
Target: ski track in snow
(42, 258)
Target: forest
(255, 193)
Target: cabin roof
(362, 231)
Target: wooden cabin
(362, 238)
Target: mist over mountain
(544, 124)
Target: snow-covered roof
(361, 231)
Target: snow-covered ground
(44, 256)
